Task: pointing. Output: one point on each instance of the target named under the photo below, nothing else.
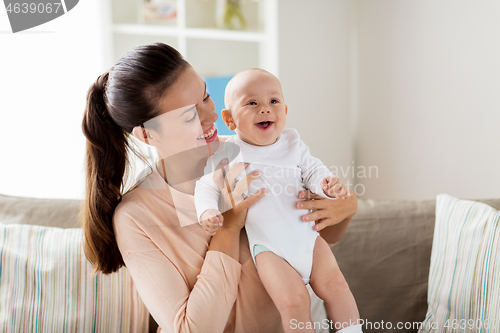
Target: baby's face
(257, 108)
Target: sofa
(385, 257)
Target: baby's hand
(211, 219)
(334, 188)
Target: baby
(287, 251)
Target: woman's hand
(329, 213)
(227, 237)
(233, 205)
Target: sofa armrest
(59, 213)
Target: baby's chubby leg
(329, 284)
(287, 290)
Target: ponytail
(105, 162)
(121, 99)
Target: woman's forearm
(332, 216)
(334, 233)
(347, 208)
(227, 240)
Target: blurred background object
(400, 99)
(158, 11)
(228, 14)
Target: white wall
(45, 73)
(315, 72)
(423, 84)
(429, 97)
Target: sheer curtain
(44, 76)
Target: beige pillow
(47, 285)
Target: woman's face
(187, 117)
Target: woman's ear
(228, 119)
(143, 135)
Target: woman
(189, 281)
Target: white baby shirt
(275, 221)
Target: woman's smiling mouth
(209, 135)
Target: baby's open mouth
(264, 124)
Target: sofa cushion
(47, 285)
(384, 256)
(464, 277)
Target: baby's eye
(274, 101)
(253, 103)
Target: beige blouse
(186, 287)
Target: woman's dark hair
(124, 97)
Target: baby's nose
(262, 111)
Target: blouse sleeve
(165, 292)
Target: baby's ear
(286, 109)
(228, 119)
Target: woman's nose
(208, 115)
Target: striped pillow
(464, 277)
(47, 285)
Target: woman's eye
(208, 96)
(194, 116)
